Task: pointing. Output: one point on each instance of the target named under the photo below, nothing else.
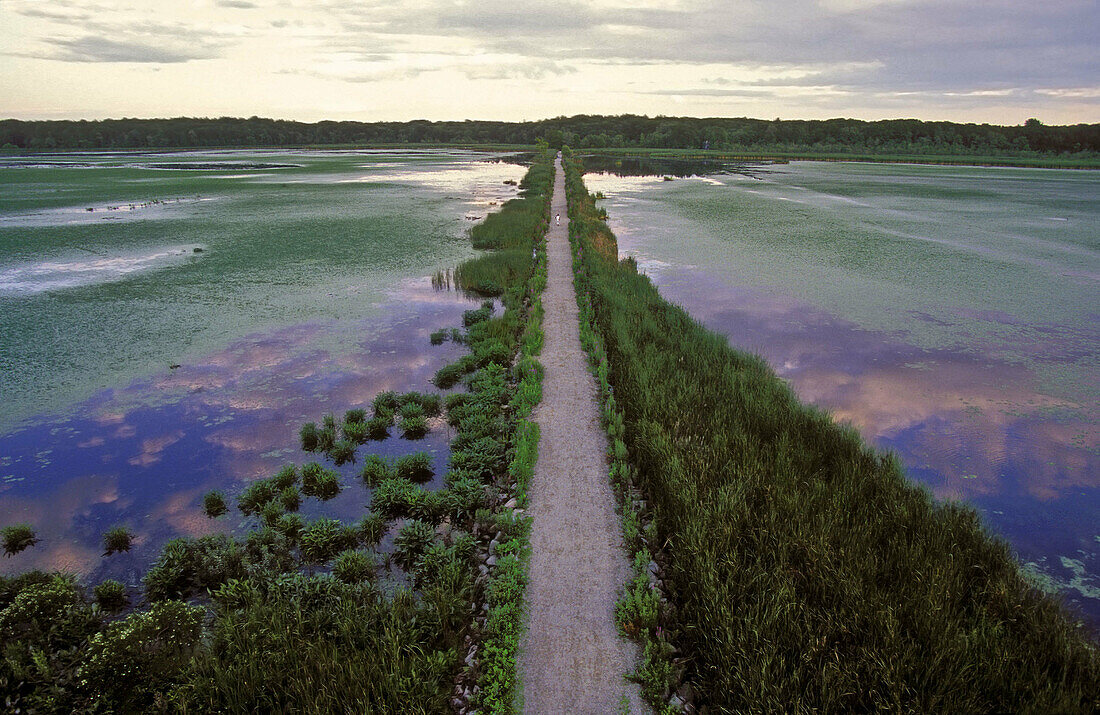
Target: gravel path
(572, 659)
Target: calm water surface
(139, 373)
(952, 314)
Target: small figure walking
(557, 219)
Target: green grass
(17, 537)
(806, 572)
(117, 539)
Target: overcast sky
(998, 61)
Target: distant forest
(895, 136)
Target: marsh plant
(319, 482)
(354, 566)
(117, 539)
(214, 504)
(376, 468)
(415, 467)
(17, 537)
(414, 427)
(111, 596)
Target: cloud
(100, 49)
(237, 4)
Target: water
(139, 373)
(952, 314)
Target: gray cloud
(237, 4)
(100, 49)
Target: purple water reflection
(144, 455)
(964, 422)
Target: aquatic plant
(356, 433)
(290, 499)
(416, 467)
(117, 539)
(271, 512)
(110, 595)
(310, 437)
(285, 477)
(438, 337)
(290, 526)
(371, 528)
(255, 495)
(378, 428)
(214, 504)
(17, 537)
(353, 566)
(342, 452)
(355, 416)
(394, 497)
(414, 427)
(319, 482)
(375, 469)
(322, 539)
(411, 541)
(385, 404)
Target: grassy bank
(317, 616)
(794, 568)
(1037, 161)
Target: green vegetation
(802, 570)
(747, 137)
(414, 467)
(116, 540)
(214, 504)
(249, 624)
(17, 537)
(110, 595)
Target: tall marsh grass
(805, 571)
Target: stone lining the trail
(573, 659)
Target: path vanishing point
(573, 659)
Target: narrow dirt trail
(573, 659)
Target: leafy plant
(353, 566)
(214, 504)
(111, 595)
(414, 427)
(117, 539)
(17, 537)
(415, 467)
(319, 482)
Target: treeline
(895, 136)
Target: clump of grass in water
(214, 504)
(116, 540)
(111, 596)
(414, 427)
(415, 467)
(319, 482)
(17, 537)
(375, 469)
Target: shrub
(214, 504)
(378, 428)
(17, 537)
(414, 427)
(342, 452)
(319, 482)
(132, 658)
(38, 607)
(411, 541)
(172, 575)
(353, 566)
(117, 539)
(355, 416)
(110, 595)
(285, 477)
(375, 469)
(414, 467)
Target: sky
(997, 61)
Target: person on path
(557, 219)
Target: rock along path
(573, 659)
